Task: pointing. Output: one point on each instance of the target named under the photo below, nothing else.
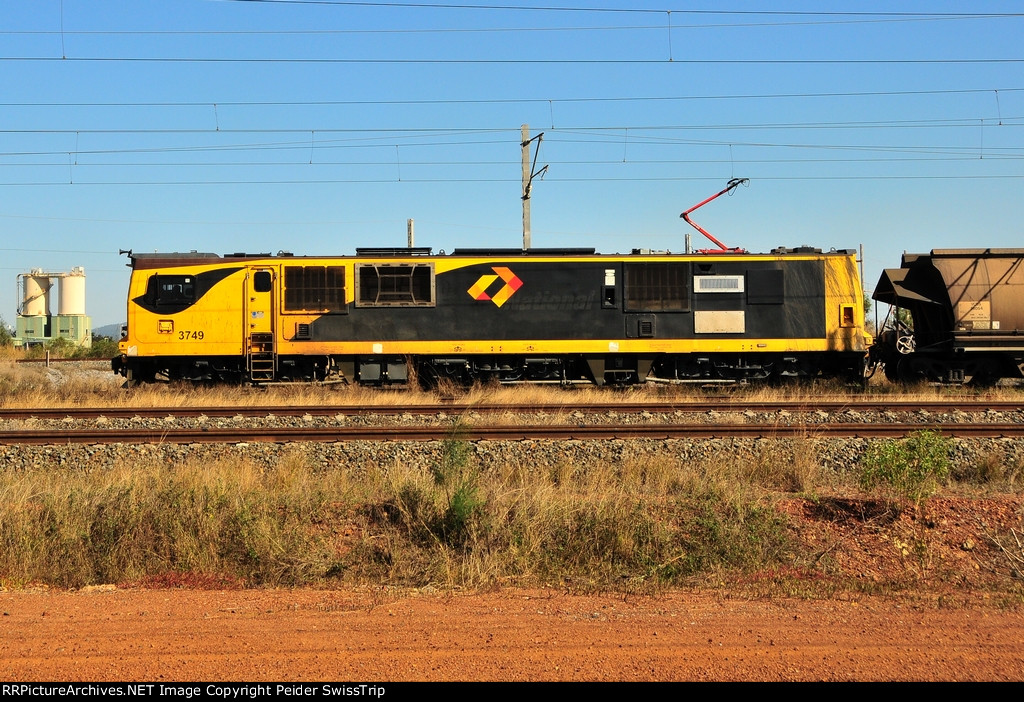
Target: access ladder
(262, 359)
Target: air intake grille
(718, 283)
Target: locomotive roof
(179, 258)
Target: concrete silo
(36, 323)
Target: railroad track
(698, 406)
(499, 432)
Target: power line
(502, 101)
(624, 10)
(406, 180)
(412, 132)
(938, 158)
(83, 251)
(614, 139)
(518, 61)
(831, 19)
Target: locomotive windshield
(170, 289)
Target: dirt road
(190, 635)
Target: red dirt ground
(953, 612)
(153, 635)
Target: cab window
(170, 289)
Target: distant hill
(112, 331)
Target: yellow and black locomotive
(385, 316)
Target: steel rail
(499, 432)
(105, 362)
(699, 406)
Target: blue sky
(317, 127)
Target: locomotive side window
(657, 287)
(400, 285)
(262, 281)
(314, 289)
(170, 289)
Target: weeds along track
(705, 405)
(696, 419)
(500, 433)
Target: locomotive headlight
(165, 326)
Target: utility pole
(526, 186)
(528, 175)
(408, 226)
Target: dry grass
(93, 384)
(455, 523)
(456, 520)
(72, 528)
(636, 524)
(991, 471)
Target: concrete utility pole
(528, 175)
(526, 186)
(408, 226)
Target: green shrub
(912, 469)
(102, 347)
(61, 347)
(464, 503)
(5, 334)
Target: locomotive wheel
(432, 377)
(428, 376)
(137, 375)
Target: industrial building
(36, 323)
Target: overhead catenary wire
(358, 140)
(828, 19)
(404, 179)
(94, 154)
(521, 61)
(505, 101)
(847, 124)
(624, 9)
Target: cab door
(261, 353)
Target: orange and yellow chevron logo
(512, 283)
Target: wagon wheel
(906, 344)
(891, 371)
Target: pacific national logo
(512, 283)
